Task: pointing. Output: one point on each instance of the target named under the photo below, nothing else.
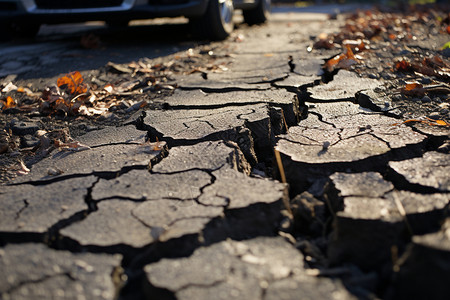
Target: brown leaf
(403, 66)
(10, 102)
(71, 146)
(413, 89)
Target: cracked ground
(258, 182)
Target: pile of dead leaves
(364, 28)
(73, 96)
(430, 66)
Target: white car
(213, 19)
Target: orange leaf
(74, 83)
(10, 102)
(448, 29)
(413, 89)
(442, 123)
(350, 54)
(413, 85)
(403, 66)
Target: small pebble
(397, 98)
(446, 52)
(425, 80)
(444, 148)
(434, 115)
(426, 99)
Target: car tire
(259, 14)
(217, 22)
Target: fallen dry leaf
(23, 170)
(73, 82)
(427, 121)
(71, 146)
(9, 103)
(413, 89)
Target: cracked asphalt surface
(203, 214)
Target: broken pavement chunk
(234, 270)
(273, 97)
(33, 271)
(340, 137)
(426, 264)
(112, 224)
(122, 222)
(237, 190)
(34, 210)
(375, 217)
(248, 126)
(366, 184)
(209, 155)
(176, 218)
(365, 232)
(105, 159)
(344, 86)
(432, 170)
(141, 185)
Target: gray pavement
(202, 212)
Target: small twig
(402, 212)
(78, 96)
(284, 120)
(283, 178)
(280, 166)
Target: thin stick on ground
(402, 212)
(283, 178)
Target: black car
(213, 19)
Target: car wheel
(217, 22)
(259, 14)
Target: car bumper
(30, 11)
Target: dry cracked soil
(236, 176)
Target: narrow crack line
(320, 117)
(100, 174)
(317, 143)
(119, 197)
(222, 90)
(301, 89)
(371, 133)
(240, 116)
(337, 100)
(91, 204)
(209, 171)
(209, 124)
(35, 281)
(114, 144)
(341, 139)
(25, 206)
(139, 220)
(52, 234)
(217, 106)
